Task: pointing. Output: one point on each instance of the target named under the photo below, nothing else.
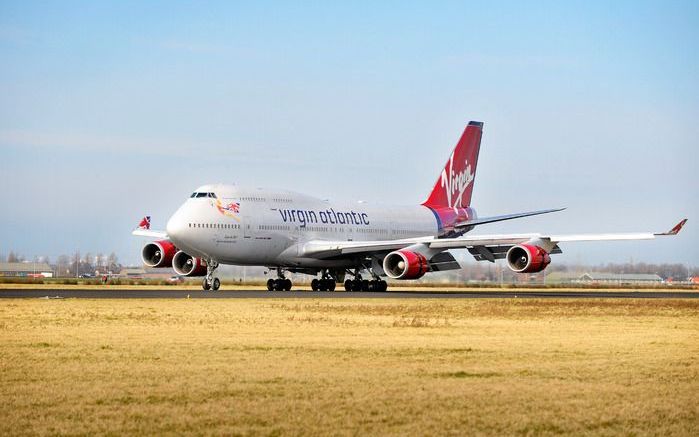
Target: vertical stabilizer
(455, 184)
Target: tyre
(270, 284)
(286, 284)
(348, 285)
(356, 285)
(365, 285)
(216, 284)
(383, 286)
(331, 285)
(205, 285)
(314, 285)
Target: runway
(256, 294)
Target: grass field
(428, 367)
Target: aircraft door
(246, 224)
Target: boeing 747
(292, 232)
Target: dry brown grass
(429, 367)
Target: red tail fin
(455, 185)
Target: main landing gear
(211, 283)
(359, 284)
(279, 284)
(325, 283)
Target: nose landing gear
(210, 282)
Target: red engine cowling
(187, 265)
(158, 253)
(525, 258)
(404, 264)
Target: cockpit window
(198, 195)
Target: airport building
(620, 278)
(603, 278)
(26, 269)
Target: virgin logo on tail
(454, 186)
(456, 183)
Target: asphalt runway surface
(257, 294)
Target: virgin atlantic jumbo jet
(292, 232)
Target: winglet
(145, 223)
(143, 230)
(676, 230)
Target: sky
(113, 110)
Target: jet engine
(404, 264)
(158, 253)
(187, 265)
(525, 258)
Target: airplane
(291, 232)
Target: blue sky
(109, 111)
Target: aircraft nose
(176, 227)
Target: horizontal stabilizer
(500, 218)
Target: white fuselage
(264, 227)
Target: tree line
(71, 265)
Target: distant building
(620, 278)
(26, 269)
(562, 277)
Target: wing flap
(444, 261)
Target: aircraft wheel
(357, 285)
(348, 285)
(383, 286)
(270, 284)
(286, 283)
(205, 285)
(331, 285)
(365, 285)
(216, 284)
(314, 285)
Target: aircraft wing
(143, 230)
(482, 247)
(151, 233)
